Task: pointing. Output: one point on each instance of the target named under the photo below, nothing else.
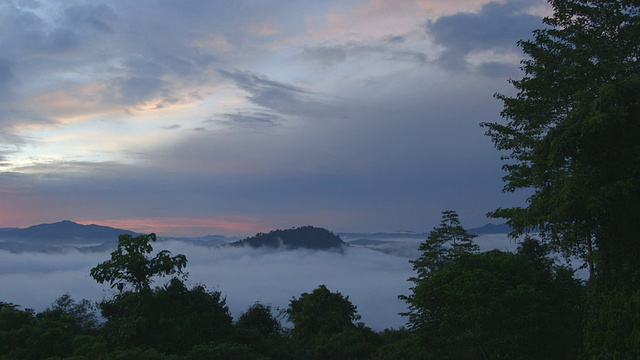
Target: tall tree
(497, 305)
(131, 265)
(445, 243)
(571, 135)
(321, 312)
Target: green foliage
(223, 351)
(613, 326)
(497, 304)
(324, 327)
(445, 243)
(259, 319)
(130, 265)
(84, 311)
(172, 319)
(137, 354)
(354, 343)
(399, 344)
(321, 312)
(50, 333)
(305, 237)
(468, 305)
(15, 328)
(261, 330)
(90, 347)
(571, 135)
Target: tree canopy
(130, 265)
(467, 304)
(571, 135)
(445, 243)
(321, 312)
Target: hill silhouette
(60, 236)
(306, 237)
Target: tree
(129, 264)
(15, 328)
(321, 312)
(259, 319)
(223, 351)
(445, 243)
(261, 330)
(495, 305)
(83, 311)
(571, 135)
(324, 328)
(172, 319)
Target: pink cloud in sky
(377, 18)
(184, 226)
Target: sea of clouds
(372, 276)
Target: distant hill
(306, 237)
(491, 229)
(68, 235)
(380, 237)
(64, 232)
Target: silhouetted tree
(321, 312)
(498, 305)
(130, 265)
(324, 327)
(445, 243)
(172, 319)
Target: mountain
(60, 236)
(391, 237)
(491, 229)
(306, 237)
(64, 233)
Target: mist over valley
(371, 268)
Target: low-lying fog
(372, 276)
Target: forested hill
(306, 237)
(64, 232)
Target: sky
(235, 117)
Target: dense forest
(569, 137)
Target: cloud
(6, 75)
(280, 97)
(496, 26)
(325, 55)
(250, 119)
(371, 279)
(100, 18)
(9, 144)
(392, 49)
(135, 90)
(302, 113)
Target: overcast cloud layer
(232, 117)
